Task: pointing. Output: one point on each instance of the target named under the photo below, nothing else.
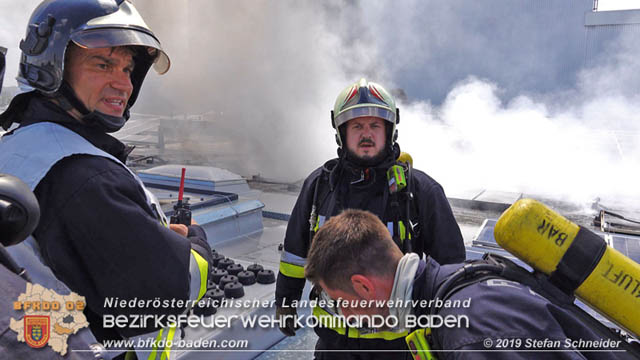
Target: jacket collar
(40, 109)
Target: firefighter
(366, 175)
(101, 231)
(15, 226)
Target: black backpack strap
(546, 287)
(323, 187)
(578, 261)
(411, 212)
(497, 266)
(472, 272)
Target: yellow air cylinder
(600, 276)
(405, 158)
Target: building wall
(604, 28)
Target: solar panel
(629, 245)
(484, 237)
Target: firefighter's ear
(363, 286)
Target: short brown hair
(354, 242)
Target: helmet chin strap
(107, 123)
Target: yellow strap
(320, 219)
(152, 356)
(204, 272)
(324, 318)
(402, 230)
(167, 349)
(290, 270)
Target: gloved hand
(288, 326)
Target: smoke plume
(511, 95)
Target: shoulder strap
(497, 266)
(321, 190)
(402, 207)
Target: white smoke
(473, 141)
(268, 70)
(609, 5)
(577, 145)
(495, 102)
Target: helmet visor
(112, 37)
(365, 111)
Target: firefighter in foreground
(507, 319)
(19, 214)
(18, 217)
(101, 232)
(367, 175)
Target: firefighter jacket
(506, 316)
(101, 231)
(437, 234)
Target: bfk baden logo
(49, 318)
(36, 330)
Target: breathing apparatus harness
(493, 266)
(398, 198)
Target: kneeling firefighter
(368, 175)
(568, 259)
(486, 309)
(101, 231)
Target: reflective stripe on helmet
(365, 111)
